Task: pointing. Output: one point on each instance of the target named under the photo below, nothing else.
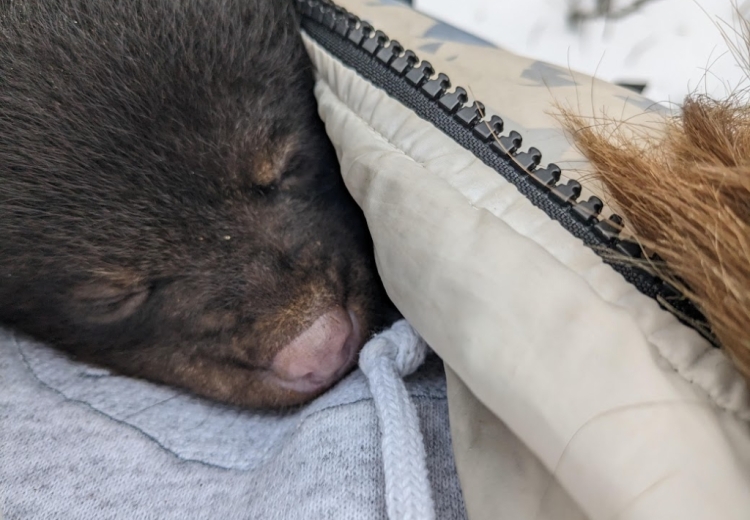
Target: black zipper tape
(416, 84)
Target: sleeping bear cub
(170, 205)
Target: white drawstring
(385, 360)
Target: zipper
(416, 84)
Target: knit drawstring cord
(385, 360)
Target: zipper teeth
(415, 83)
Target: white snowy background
(673, 46)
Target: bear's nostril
(320, 354)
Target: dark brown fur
(169, 203)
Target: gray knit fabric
(78, 442)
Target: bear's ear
(107, 299)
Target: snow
(668, 44)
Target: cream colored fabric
(634, 414)
(519, 89)
(505, 480)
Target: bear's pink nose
(320, 355)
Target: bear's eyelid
(109, 301)
(270, 168)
